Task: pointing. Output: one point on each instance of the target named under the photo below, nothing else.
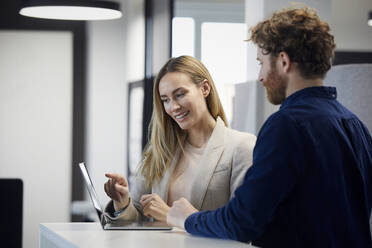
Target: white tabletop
(92, 235)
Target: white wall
(36, 123)
(323, 7)
(115, 57)
(349, 25)
(348, 20)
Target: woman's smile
(182, 116)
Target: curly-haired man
(310, 184)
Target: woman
(191, 152)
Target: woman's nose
(174, 105)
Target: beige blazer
(226, 158)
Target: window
(183, 36)
(223, 51)
(215, 34)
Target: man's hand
(153, 206)
(117, 189)
(178, 213)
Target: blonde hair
(164, 133)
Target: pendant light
(71, 9)
(370, 18)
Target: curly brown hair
(302, 35)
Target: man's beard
(276, 87)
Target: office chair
(11, 209)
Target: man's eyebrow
(174, 91)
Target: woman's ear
(206, 88)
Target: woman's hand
(117, 189)
(153, 206)
(178, 213)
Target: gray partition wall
(354, 89)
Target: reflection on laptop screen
(91, 190)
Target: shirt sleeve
(266, 184)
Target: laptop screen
(91, 190)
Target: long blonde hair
(164, 133)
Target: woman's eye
(180, 95)
(164, 100)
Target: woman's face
(183, 100)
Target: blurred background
(73, 91)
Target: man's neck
(297, 82)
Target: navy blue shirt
(310, 184)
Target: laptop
(107, 222)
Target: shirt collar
(318, 91)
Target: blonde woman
(191, 153)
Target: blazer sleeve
(134, 210)
(241, 161)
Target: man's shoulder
(279, 124)
(281, 117)
(316, 108)
(303, 112)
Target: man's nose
(260, 78)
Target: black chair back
(11, 212)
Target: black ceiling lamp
(71, 9)
(370, 18)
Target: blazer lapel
(207, 165)
(161, 188)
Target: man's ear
(284, 62)
(206, 88)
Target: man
(310, 184)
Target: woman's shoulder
(236, 138)
(238, 134)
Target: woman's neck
(199, 135)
